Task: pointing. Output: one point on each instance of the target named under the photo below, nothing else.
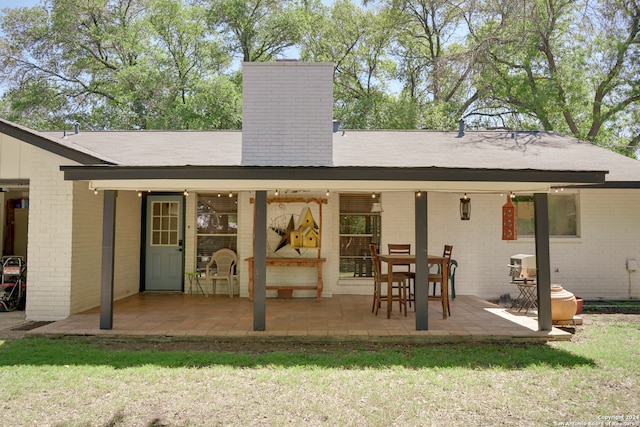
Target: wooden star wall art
(303, 234)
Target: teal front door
(164, 236)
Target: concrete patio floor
(341, 318)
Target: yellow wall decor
(306, 219)
(298, 234)
(295, 239)
(310, 238)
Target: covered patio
(341, 318)
(287, 145)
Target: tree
(257, 30)
(214, 103)
(197, 95)
(357, 41)
(563, 65)
(35, 104)
(433, 63)
(570, 66)
(116, 64)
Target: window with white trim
(358, 228)
(217, 225)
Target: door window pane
(165, 223)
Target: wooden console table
(290, 262)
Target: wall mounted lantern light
(465, 208)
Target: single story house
(115, 213)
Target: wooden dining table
(404, 259)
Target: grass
(630, 306)
(88, 382)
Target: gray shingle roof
(477, 150)
(158, 148)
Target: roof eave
(322, 173)
(47, 144)
(616, 185)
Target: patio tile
(341, 316)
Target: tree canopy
(564, 65)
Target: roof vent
(76, 128)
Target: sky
(18, 3)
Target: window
(358, 228)
(563, 215)
(164, 223)
(217, 225)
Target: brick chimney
(287, 113)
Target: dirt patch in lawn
(28, 326)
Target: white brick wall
(287, 114)
(127, 244)
(14, 158)
(127, 251)
(610, 236)
(87, 247)
(86, 261)
(289, 275)
(592, 266)
(50, 240)
(65, 243)
(397, 219)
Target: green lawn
(595, 379)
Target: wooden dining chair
(380, 280)
(439, 278)
(405, 249)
